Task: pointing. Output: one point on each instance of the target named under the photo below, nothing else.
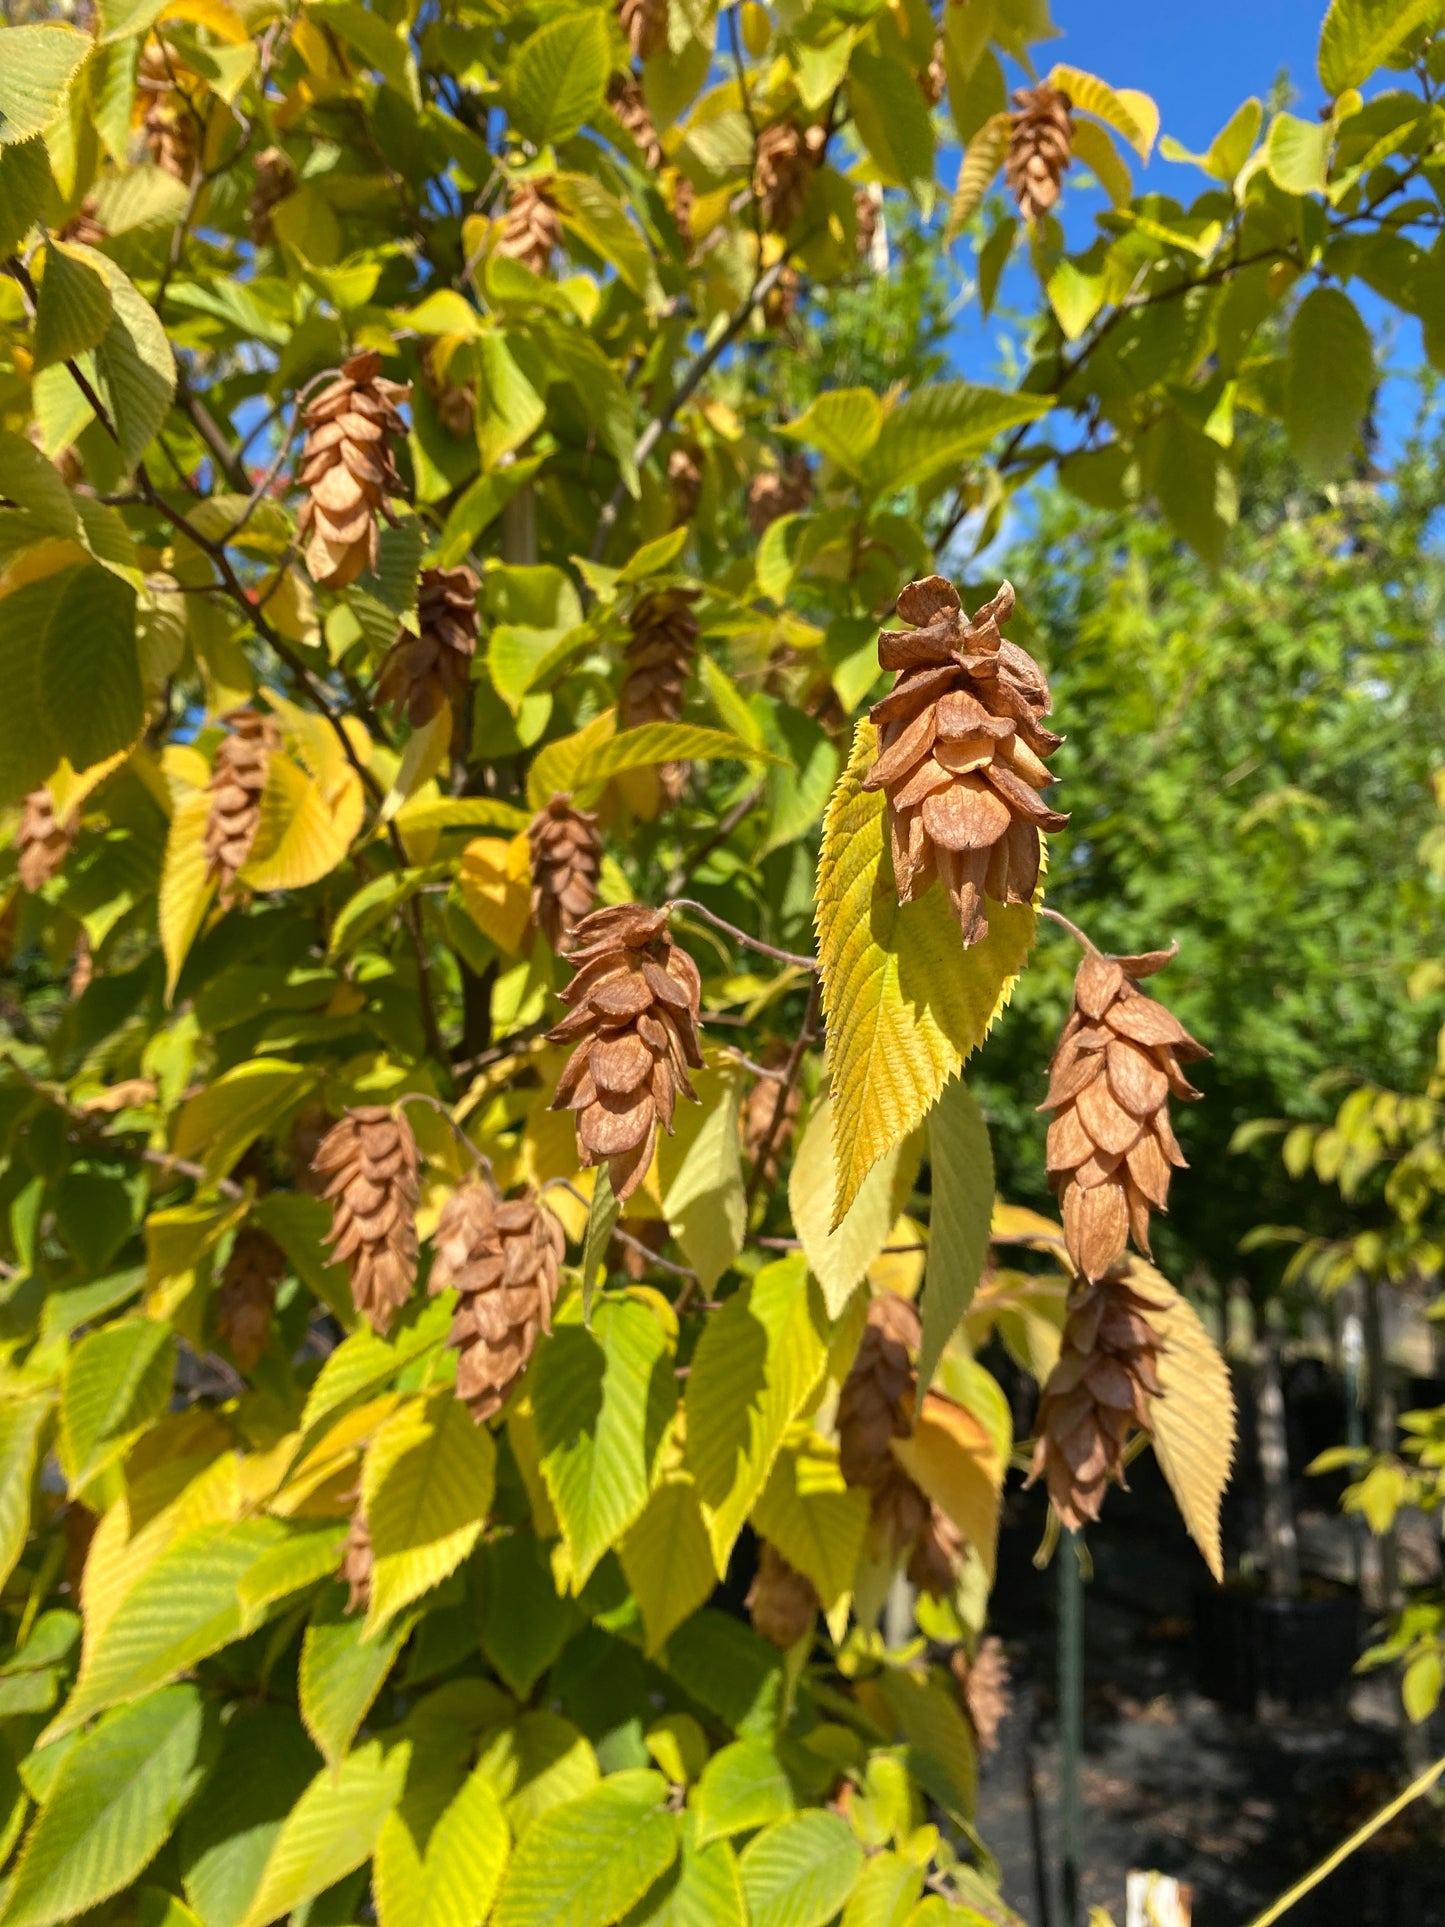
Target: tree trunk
(1281, 1546)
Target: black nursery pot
(1295, 1652)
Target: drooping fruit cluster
(423, 671)
(348, 470)
(874, 1408)
(566, 863)
(531, 229)
(43, 840)
(774, 492)
(1111, 1146)
(983, 1688)
(960, 755)
(1040, 148)
(247, 1297)
(1096, 1394)
(781, 1601)
(238, 779)
(275, 179)
(784, 162)
(502, 1259)
(656, 669)
(357, 1560)
(626, 99)
(170, 128)
(684, 474)
(634, 1000)
(370, 1163)
(645, 24)
(769, 1117)
(455, 402)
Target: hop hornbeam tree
(436, 743)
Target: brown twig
(791, 1070)
(741, 936)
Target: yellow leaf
(899, 1265)
(70, 787)
(667, 1557)
(317, 746)
(905, 1002)
(952, 1457)
(1194, 1419)
(838, 1254)
(222, 20)
(981, 162)
(1129, 112)
(1094, 147)
(495, 879)
(814, 1519)
(426, 1485)
(426, 750)
(186, 891)
(1016, 1224)
(303, 834)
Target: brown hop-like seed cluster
(784, 162)
(566, 863)
(1040, 147)
(348, 470)
(247, 1296)
(43, 840)
(874, 1408)
(645, 24)
(934, 78)
(627, 101)
(502, 1259)
(275, 179)
(1111, 1146)
(423, 671)
(356, 1563)
(634, 1013)
(1094, 1397)
(238, 778)
(774, 492)
(781, 1601)
(780, 303)
(532, 228)
(369, 1161)
(656, 669)
(983, 1688)
(170, 128)
(455, 402)
(961, 743)
(867, 212)
(85, 225)
(684, 474)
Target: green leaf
(525, 1622)
(604, 1401)
(537, 1763)
(586, 1862)
(1360, 35)
(1131, 114)
(1297, 154)
(20, 1423)
(117, 1381)
(511, 407)
(119, 1792)
(600, 223)
(35, 75)
(814, 1518)
(727, 1668)
(24, 187)
(70, 675)
(556, 81)
(941, 426)
(893, 122)
(755, 1366)
(602, 1215)
(362, 1362)
(342, 1671)
(960, 1158)
(465, 1855)
(224, 1120)
(426, 1485)
(1194, 485)
(743, 1787)
(644, 746)
(667, 1559)
(381, 44)
(942, 1753)
(75, 306)
(1329, 379)
(885, 1894)
(701, 1173)
(225, 1839)
(1420, 1688)
(135, 370)
(330, 1831)
(183, 1608)
(843, 423)
(838, 1254)
(701, 1889)
(799, 1871)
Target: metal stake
(1071, 1723)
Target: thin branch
(791, 1071)
(628, 1239)
(741, 936)
(1080, 937)
(744, 806)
